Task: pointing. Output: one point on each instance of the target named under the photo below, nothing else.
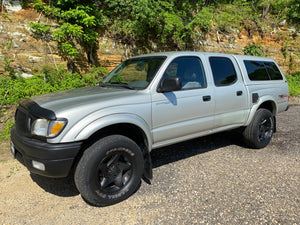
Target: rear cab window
(262, 70)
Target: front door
(186, 113)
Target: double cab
(104, 134)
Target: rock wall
(26, 56)
(11, 6)
(285, 51)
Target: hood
(76, 98)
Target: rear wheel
(109, 171)
(259, 132)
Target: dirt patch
(294, 101)
(5, 154)
(27, 14)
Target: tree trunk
(90, 56)
(266, 9)
(52, 56)
(71, 65)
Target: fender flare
(256, 106)
(114, 119)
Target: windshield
(136, 73)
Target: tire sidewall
(86, 177)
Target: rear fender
(257, 105)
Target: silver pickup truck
(105, 133)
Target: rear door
(231, 96)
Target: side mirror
(172, 83)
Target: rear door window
(223, 71)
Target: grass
(6, 121)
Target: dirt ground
(209, 180)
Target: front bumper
(57, 158)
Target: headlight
(48, 128)
(40, 127)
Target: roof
(191, 53)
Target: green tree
(293, 11)
(78, 22)
(171, 24)
(42, 32)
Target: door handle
(239, 93)
(206, 98)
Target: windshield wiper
(120, 84)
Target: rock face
(11, 6)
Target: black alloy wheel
(114, 172)
(265, 129)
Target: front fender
(108, 120)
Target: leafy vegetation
(294, 84)
(7, 67)
(78, 22)
(5, 133)
(12, 89)
(169, 24)
(253, 49)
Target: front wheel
(259, 132)
(109, 171)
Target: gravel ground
(209, 180)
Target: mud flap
(148, 174)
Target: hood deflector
(36, 110)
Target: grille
(22, 121)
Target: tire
(109, 171)
(259, 132)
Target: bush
(12, 90)
(253, 50)
(294, 84)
